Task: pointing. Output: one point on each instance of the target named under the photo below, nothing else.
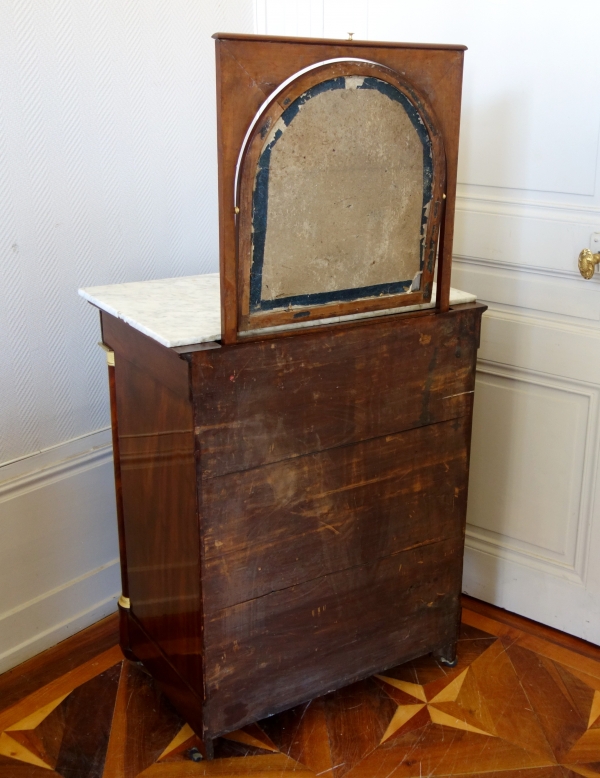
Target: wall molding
(54, 455)
(523, 268)
(66, 467)
(528, 209)
(83, 600)
(574, 570)
(59, 567)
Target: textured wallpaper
(107, 174)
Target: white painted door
(529, 201)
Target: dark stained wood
(28, 677)
(124, 635)
(293, 514)
(357, 717)
(288, 644)
(323, 477)
(165, 365)
(275, 526)
(87, 716)
(144, 723)
(118, 486)
(250, 68)
(447, 231)
(186, 700)
(265, 401)
(156, 442)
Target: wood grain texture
(236, 36)
(158, 474)
(276, 526)
(87, 714)
(187, 700)
(59, 686)
(164, 365)
(52, 664)
(250, 68)
(266, 401)
(290, 502)
(357, 717)
(505, 711)
(374, 615)
(144, 723)
(124, 635)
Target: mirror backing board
(337, 178)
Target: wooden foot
(209, 749)
(124, 641)
(446, 655)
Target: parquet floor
(521, 703)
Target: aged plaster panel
(345, 195)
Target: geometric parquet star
(510, 705)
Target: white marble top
(186, 311)
(173, 311)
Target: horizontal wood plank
(276, 526)
(266, 401)
(278, 650)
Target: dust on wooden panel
(267, 400)
(342, 189)
(374, 615)
(312, 515)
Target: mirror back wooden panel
(339, 183)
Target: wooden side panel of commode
(158, 473)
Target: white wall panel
(59, 553)
(302, 18)
(528, 462)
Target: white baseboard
(549, 599)
(59, 568)
(36, 625)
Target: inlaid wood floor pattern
(517, 705)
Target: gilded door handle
(587, 263)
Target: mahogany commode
(291, 486)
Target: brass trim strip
(124, 602)
(110, 354)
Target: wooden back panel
(249, 70)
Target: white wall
(107, 174)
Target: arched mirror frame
(266, 117)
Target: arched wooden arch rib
(254, 146)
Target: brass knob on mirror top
(587, 263)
